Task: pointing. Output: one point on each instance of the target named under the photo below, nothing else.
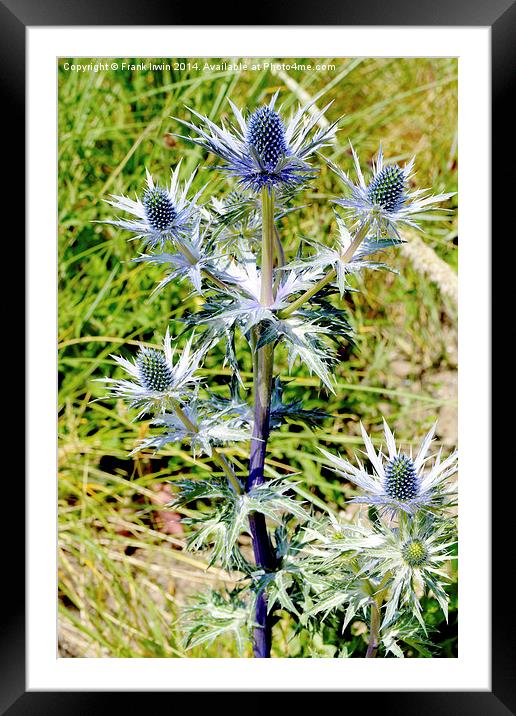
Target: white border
(471, 670)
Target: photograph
(257, 307)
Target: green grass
(122, 580)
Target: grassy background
(123, 571)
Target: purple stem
(263, 552)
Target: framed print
(244, 243)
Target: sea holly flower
(313, 567)
(157, 382)
(412, 558)
(263, 150)
(399, 481)
(161, 214)
(356, 564)
(385, 204)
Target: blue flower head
(385, 204)
(413, 557)
(157, 382)
(159, 209)
(161, 215)
(266, 136)
(386, 189)
(400, 482)
(154, 372)
(263, 150)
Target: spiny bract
(155, 374)
(266, 135)
(401, 478)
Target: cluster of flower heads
(390, 561)
(333, 570)
(350, 566)
(260, 150)
(322, 564)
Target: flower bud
(415, 553)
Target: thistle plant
(229, 251)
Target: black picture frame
(500, 16)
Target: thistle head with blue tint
(386, 204)
(159, 209)
(159, 214)
(154, 372)
(262, 149)
(266, 136)
(387, 188)
(401, 481)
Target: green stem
(307, 295)
(280, 257)
(374, 631)
(345, 258)
(268, 236)
(214, 279)
(218, 458)
(378, 593)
